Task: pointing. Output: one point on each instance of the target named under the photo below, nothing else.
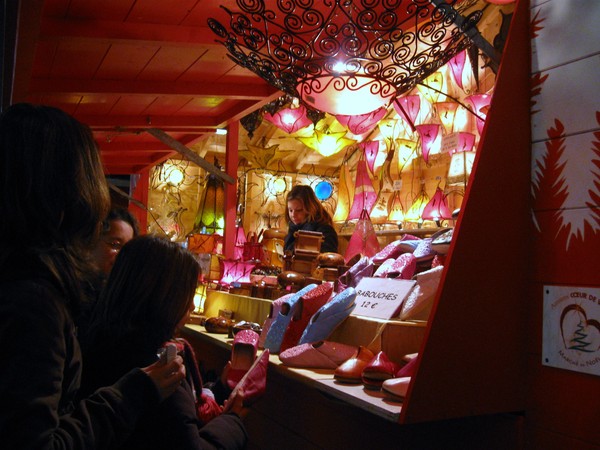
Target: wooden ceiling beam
(233, 91)
(110, 123)
(110, 32)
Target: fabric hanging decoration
(363, 240)
(364, 193)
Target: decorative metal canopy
(323, 51)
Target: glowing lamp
(408, 108)
(199, 298)
(430, 139)
(396, 214)
(437, 208)
(406, 152)
(362, 123)
(289, 120)
(461, 165)
(345, 193)
(351, 94)
(415, 212)
(371, 150)
(327, 143)
(480, 104)
(364, 193)
(446, 112)
(431, 87)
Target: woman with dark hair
(53, 196)
(306, 213)
(148, 295)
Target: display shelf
(375, 402)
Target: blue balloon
(323, 190)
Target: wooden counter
(306, 409)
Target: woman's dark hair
(123, 215)
(316, 212)
(53, 191)
(149, 290)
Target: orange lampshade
(446, 111)
(415, 211)
(396, 214)
(345, 194)
(327, 143)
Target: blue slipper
(282, 320)
(326, 319)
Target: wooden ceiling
(122, 66)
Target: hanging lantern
(461, 165)
(480, 104)
(446, 111)
(327, 143)
(406, 151)
(211, 212)
(430, 144)
(431, 87)
(345, 194)
(371, 150)
(396, 214)
(437, 208)
(408, 108)
(289, 120)
(415, 211)
(362, 123)
(364, 193)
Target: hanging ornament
(364, 193)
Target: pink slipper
(243, 354)
(404, 267)
(318, 355)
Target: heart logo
(578, 332)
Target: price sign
(381, 298)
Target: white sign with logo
(381, 298)
(571, 333)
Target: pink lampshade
(240, 240)
(364, 193)
(457, 65)
(408, 108)
(437, 208)
(480, 104)
(466, 141)
(289, 120)
(362, 123)
(428, 133)
(371, 149)
(235, 271)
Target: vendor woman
(305, 213)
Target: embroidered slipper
(329, 316)
(281, 321)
